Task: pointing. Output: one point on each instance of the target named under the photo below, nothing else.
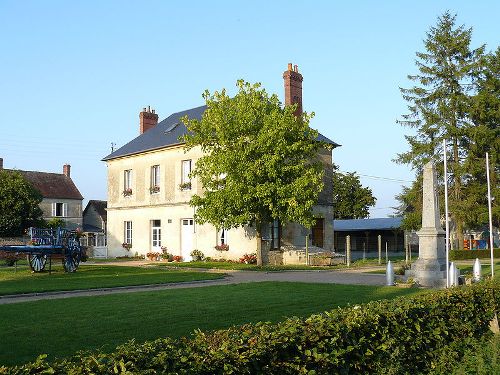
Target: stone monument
(430, 268)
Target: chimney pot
(144, 109)
(67, 170)
(147, 119)
(295, 68)
(289, 66)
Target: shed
(364, 234)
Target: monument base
(429, 272)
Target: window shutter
(65, 210)
(54, 205)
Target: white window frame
(127, 179)
(185, 171)
(155, 177)
(63, 210)
(158, 228)
(223, 237)
(127, 232)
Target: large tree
(439, 105)
(350, 199)
(19, 204)
(259, 161)
(484, 137)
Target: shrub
(11, 258)
(473, 254)
(249, 259)
(405, 335)
(197, 255)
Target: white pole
(489, 211)
(445, 179)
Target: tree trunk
(258, 235)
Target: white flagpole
(489, 211)
(445, 179)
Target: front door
(156, 236)
(187, 230)
(317, 232)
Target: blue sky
(74, 75)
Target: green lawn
(62, 326)
(88, 277)
(253, 267)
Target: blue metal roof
(167, 133)
(386, 223)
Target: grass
(63, 326)
(369, 262)
(90, 277)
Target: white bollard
(389, 274)
(451, 275)
(457, 276)
(476, 270)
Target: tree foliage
(350, 199)
(19, 204)
(455, 98)
(259, 161)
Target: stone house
(94, 228)
(149, 191)
(61, 197)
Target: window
(223, 237)
(59, 209)
(127, 182)
(127, 232)
(155, 179)
(275, 229)
(156, 233)
(185, 179)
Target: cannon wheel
(72, 255)
(37, 262)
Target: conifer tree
(439, 105)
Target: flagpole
(445, 178)
(489, 212)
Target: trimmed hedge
(403, 336)
(473, 254)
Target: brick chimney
(293, 88)
(148, 119)
(67, 170)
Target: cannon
(47, 243)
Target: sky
(74, 75)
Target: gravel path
(356, 277)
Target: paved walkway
(356, 277)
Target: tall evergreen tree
(438, 106)
(484, 136)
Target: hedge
(403, 336)
(473, 254)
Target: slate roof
(53, 185)
(99, 206)
(386, 223)
(167, 134)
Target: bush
(11, 258)
(197, 255)
(404, 336)
(473, 254)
